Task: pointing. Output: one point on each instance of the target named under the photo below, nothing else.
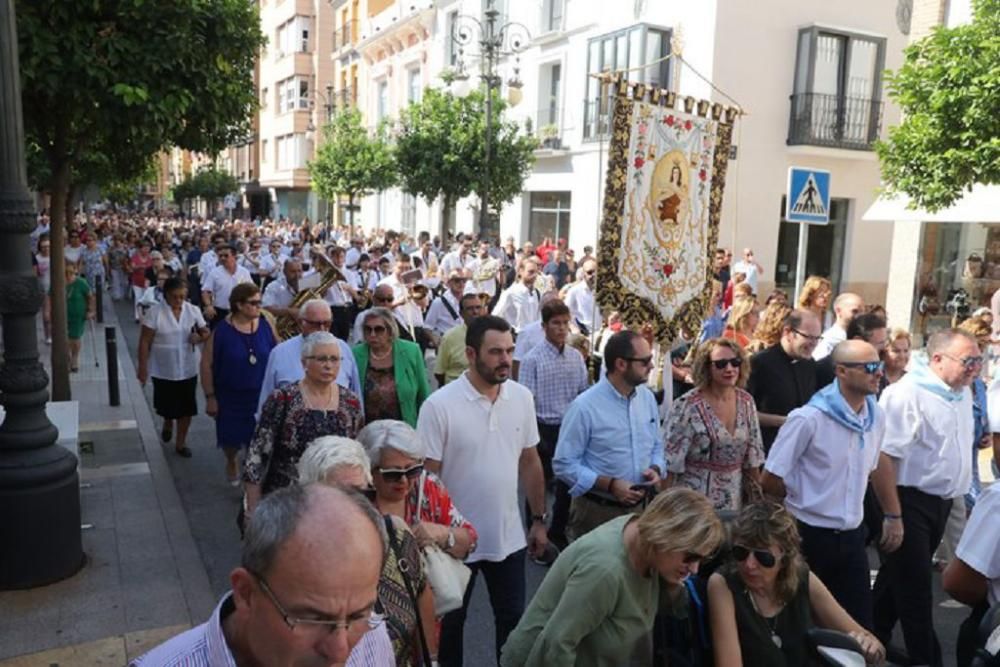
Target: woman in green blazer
(393, 374)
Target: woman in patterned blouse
(296, 414)
(715, 445)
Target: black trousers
(343, 320)
(839, 559)
(903, 588)
(548, 436)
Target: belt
(609, 502)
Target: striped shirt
(205, 646)
(555, 378)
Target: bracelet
(892, 517)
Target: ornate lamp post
(39, 487)
(495, 42)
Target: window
(382, 100)
(413, 85)
(265, 92)
(263, 150)
(549, 216)
(452, 51)
(408, 220)
(824, 247)
(837, 89)
(293, 151)
(633, 47)
(293, 36)
(293, 93)
(552, 15)
(550, 86)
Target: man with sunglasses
(925, 463)
(285, 610)
(820, 464)
(585, 318)
(783, 377)
(610, 451)
(219, 283)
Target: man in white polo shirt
(926, 460)
(481, 437)
(219, 283)
(820, 463)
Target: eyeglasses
(762, 556)
(645, 361)
(968, 362)
(807, 336)
(357, 624)
(319, 324)
(378, 329)
(325, 359)
(735, 362)
(870, 367)
(396, 475)
(254, 302)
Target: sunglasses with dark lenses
(396, 475)
(870, 367)
(377, 330)
(735, 362)
(253, 302)
(645, 361)
(762, 556)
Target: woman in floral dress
(715, 445)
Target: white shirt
(208, 261)
(829, 340)
(824, 467)
(221, 283)
(351, 256)
(278, 294)
(172, 356)
(408, 314)
(270, 264)
(438, 318)
(453, 260)
(930, 438)
(366, 279)
(580, 301)
(528, 339)
(750, 269)
(72, 255)
(336, 295)
(979, 547)
(518, 305)
(284, 366)
(479, 445)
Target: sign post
(807, 202)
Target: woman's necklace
(772, 623)
(248, 341)
(308, 393)
(381, 357)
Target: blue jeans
(506, 585)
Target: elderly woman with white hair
(343, 462)
(298, 413)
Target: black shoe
(183, 452)
(166, 434)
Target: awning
(981, 204)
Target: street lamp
(39, 485)
(311, 129)
(495, 42)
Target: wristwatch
(535, 518)
(450, 543)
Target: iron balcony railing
(343, 37)
(834, 121)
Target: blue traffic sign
(808, 196)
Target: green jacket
(410, 373)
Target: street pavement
(211, 506)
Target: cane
(93, 339)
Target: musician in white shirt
(459, 258)
(279, 295)
(444, 313)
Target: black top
(779, 384)
(826, 372)
(790, 624)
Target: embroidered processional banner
(662, 202)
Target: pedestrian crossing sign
(808, 196)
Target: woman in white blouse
(169, 352)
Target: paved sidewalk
(144, 579)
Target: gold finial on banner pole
(655, 96)
(672, 100)
(716, 111)
(703, 108)
(688, 104)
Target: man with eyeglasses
(219, 283)
(820, 464)
(283, 609)
(284, 364)
(926, 461)
(783, 377)
(610, 451)
(846, 307)
(585, 316)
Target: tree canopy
(949, 91)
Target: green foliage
(949, 91)
(208, 183)
(351, 161)
(125, 191)
(441, 149)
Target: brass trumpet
(418, 292)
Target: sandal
(166, 434)
(183, 452)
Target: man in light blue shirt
(610, 451)
(284, 365)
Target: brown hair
(553, 308)
(764, 523)
(813, 286)
(241, 294)
(742, 309)
(976, 326)
(699, 366)
(771, 325)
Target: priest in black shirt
(783, 377)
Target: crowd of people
(472, 407)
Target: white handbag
(447, 576)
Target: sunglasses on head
(764, 557)
(395, 475)
(735, 362)
(869, 367)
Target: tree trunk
(445, 208)
(350, 212)
(70, 208)
(59, 191)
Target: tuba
(288, 325)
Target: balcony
(834, 121)
(549, 131)
(596, 119)
(345, 98)
(345, 36)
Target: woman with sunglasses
(715, 444)
(343, 462)
(298, 413)
(232, 371)
(763, 602)
(600, 597)
(392, 371)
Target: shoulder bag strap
(447, 305)
(404, 567)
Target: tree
(440, 150)
(123, 79)
(949, 91)
(351, 161)
(212, 184)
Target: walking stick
(93, 339)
